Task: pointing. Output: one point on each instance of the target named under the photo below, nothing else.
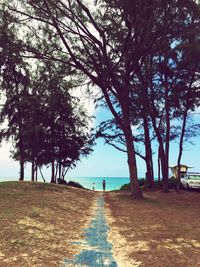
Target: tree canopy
(46, 123)
(142, 55)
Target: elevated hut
(183, 170)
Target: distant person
(93, 186)
(104, 185)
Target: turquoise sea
(112, 183)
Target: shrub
(125, 187)
(128, 186)
(172, 184)
(141, 182)
(70, 183)
(75, 184)
(62, 181)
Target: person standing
(104, 185)
(93, 186)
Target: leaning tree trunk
(152, 171)
(164, 165)
(124, 124)
(164, 151)
(135, 188)
(164, 172)
(149, 162)
(181, 148)
(159, 178)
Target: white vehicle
(191, 180)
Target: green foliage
(75, 184)
(45, 122)
(172, 184)
(125, 187)
(128, 186)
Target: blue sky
(105, 160)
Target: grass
(39, 223)
(163, 230)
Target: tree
(14, 82)
(45, 122)
(65, 122)
(91, 50)
(113, 136)
(162, 71)
(118, 46)
(186, 96)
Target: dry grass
(39, 222)
(161, 231)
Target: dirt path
(96, 250)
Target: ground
(40, 222)
(161, 231)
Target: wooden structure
(183, 170)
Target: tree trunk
(167, 138)
(159, 178)
(164, 151)
(33, 171)
(53, 172)
(149, 162)
(20, 126)
(21, 153)
(164, 165)
(42, 174)
(152, 171)
(164, 173)
(21, 178)
(181, 149)
(56, 171)
(60, 170)
(53, 178)
(36, 172)
(135, 188)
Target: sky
(105, 161)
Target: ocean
(95, 183)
